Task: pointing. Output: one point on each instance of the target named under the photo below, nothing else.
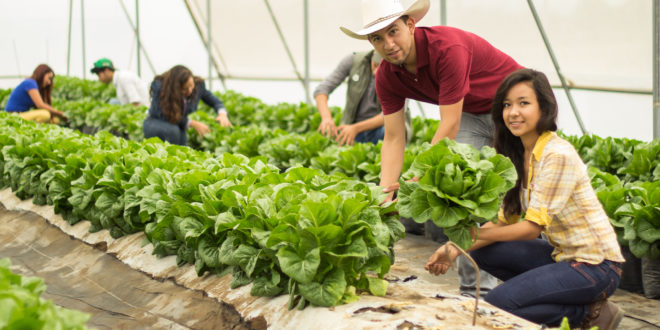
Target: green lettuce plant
(458, 188)
(21, 305)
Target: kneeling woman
(35, 92)
(578, 267)
(174, 95)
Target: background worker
(362, 119)
(35, 92)
(130, 88)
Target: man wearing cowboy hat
(442, 65)
(362, 120)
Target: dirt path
(82, 277)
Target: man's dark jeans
(541, 290)
(372, 136)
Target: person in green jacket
(362, 120)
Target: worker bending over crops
(174, 95)
(129, 87)
(573, 272)
(35, 92)
(362, 120)
(442, 65)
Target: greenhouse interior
(295, 164)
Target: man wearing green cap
(130, 89)
(362, 120)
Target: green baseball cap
(102, 64)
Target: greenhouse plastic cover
(598, 43)
(605, 43)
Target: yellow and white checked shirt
(562, 201)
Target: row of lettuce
(21, 305)
(459, 187)
(286, 136)
(320, 238)
(117, 192)
(625, 174)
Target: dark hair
(171, 96)
(38, 75)
(99, 70)
(510, 145)
(404, 18)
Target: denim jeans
(166, 131)
(371, 136)
(476, 130)
(541, 290)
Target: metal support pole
(18, 64)
(137, 34)
(82, 27)
(556, 65)
(306, 36)
(208, 40)
(656, 69)
(68, 47)
(286, 47)
(196, 18)
(144, 51)
(443, 12)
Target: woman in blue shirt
(174, 95)
(34, 92)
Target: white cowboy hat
(378, 14)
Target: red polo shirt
(452, 64)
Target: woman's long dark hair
(171, 96)
(510, 145)
(38, 75)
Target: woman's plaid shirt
(562, 201)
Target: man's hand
(442, 259)
(200, 127)
(223, 120)
(347, 134)
(328, 128)
(394, 187)
(390, 190)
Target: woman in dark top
(174, 95)
(35, 92)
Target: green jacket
(358, 80)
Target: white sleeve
(130, 87)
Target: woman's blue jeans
(541, 290)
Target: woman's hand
(223, 120)
(442, 259)
(200, 127)
(58, 113)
